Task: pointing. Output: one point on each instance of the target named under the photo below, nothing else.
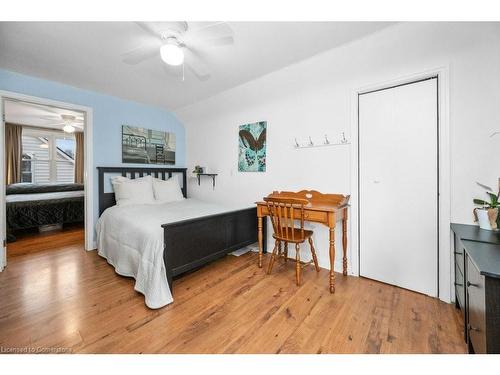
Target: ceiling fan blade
(175, 71)
(218, 42)
(41, 107)
(43, 117)
(213, 30)
(198, 67)
(56, 123)
(140, 54)
(148, 27)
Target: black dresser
(477, 286)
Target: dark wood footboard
(190, 244)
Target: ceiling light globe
(172, 54)
(68, 128)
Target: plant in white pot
(487, 214)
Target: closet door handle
(471, 284)
(458, 253)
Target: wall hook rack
(326, 142)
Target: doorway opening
(46, 200)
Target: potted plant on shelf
(487, 214)
(198, 169)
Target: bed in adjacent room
(150, 231)
(38, 205)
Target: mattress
(131, 239)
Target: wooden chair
(284, 212)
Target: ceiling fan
(180, 43)
(70, 122)
(53, 117)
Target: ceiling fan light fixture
(172, 54)
(68, 128)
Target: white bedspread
(131, 239)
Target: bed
(36, 205)
(156, 242)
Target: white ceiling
(89, 55)
(42, 116)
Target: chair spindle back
(283, 213)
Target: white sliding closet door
(398, 186)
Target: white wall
(313, 98)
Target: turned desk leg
(259, 225)
(332, 260)
(344, 242)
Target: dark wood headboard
(108, 199)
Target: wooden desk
(322, 208)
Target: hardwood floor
(32, 241)
(73, 301)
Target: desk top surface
(317, 201)
(474, 233)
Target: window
(65, 159)
(27, 168)
(48, 157)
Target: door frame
(88, 161)
(445, 254)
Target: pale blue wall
(109, 114)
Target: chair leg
(273, 257)
(280, 251)
(313, 252)
(297, 263)
(286, 252)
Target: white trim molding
(446, 273)
(3, 227)
(88, 160)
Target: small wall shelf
(213, 175)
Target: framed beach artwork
(252, 147)
(147, 146)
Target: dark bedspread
(34, 213)
(42, 188)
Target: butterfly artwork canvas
(252, 147)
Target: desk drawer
(460, 288)
(476, 308)
(459, 255)
(318, 216)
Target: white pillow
(137, 191)
(167, 190)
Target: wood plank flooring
(59, 296)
